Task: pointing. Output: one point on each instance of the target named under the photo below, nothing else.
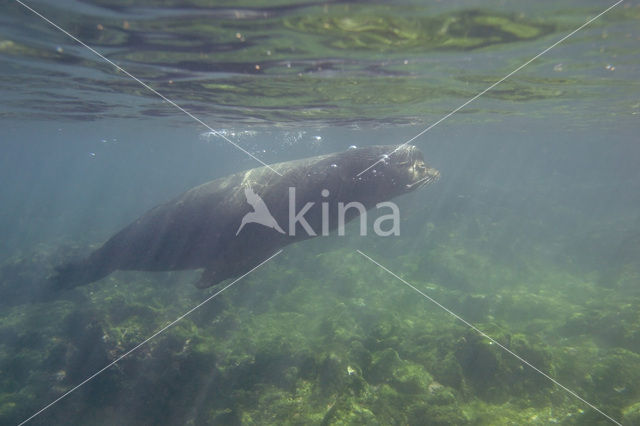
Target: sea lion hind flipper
(67, 275)
(74, 274)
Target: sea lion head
(386, 171)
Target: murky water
(532, 233)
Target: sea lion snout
(422, 175)
(419, 173)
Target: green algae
(631, 415)
(302, 350)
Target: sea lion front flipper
(208, 278)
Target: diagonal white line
(495, 84)
(171, 324)
(477, 330)
(145, 85)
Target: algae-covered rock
(384, 333)
(631, 415)
(403, 376)
(383, 366)
(474, 307)
(614, 326)
(227, 417)
(88, 351)
(480, 362)
(411, 378)
(527, 380)
(332, 372)
(437, 415)
(496, 375)
(346, 411)
(359, 355)
(616, 377)
(576, 324)
(449, 372)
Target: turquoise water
(532, 233)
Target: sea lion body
(207, 226)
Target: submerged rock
(631, 416)
(403, 376)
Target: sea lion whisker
(420, 183)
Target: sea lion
(225, 226)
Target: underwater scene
(176, 243)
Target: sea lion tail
(76, 273)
